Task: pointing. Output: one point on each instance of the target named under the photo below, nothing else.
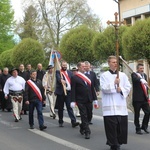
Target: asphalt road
(18, 136)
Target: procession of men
(24, 90)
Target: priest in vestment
(114, 93)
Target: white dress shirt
(14, 84)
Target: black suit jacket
(40, 74)
(138, 93)
(30, 95)
(28, 74)
(3, 79)
(81, 92)
(59, 88)
(94, 80)
(23, 75)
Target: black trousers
(116, 129)
(61, 99)
(90, 115)
(5, 103)
(146, 109)
(0, 98)
(86, 113)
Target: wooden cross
(116, 24)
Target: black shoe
(20, 118)
(115, 147)
(54, 116)
(16, 120)
(75, 124)
(90, 123)
(139, 132)
(87, 135)
(43, 127)
(25, 113)
(146, 130)
(31, 127)
(61, 125)
(82, 131)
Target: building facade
(130, 11)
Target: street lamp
(117, 1)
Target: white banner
(128, 71)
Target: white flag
(128, 71)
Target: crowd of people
(21, 91)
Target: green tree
(136, 41)
(28, 51)
(5, 58)
(75, 45)
(6, 24)
(59, 16)
(104, 44)
(27, 27)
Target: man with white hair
(92, 76)
(40, 71)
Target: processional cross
(116, 25)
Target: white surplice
(114, 103)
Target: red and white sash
(35, 89)
(144, 87)
(83, 77)
(67, 79)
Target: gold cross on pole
(116, 24)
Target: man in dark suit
(5, 104)
(83, 94)
(22, 73)
(35, 97)
(140, 98)
(28, 70)
(92, 76)
(40, 72)
(63, 91)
